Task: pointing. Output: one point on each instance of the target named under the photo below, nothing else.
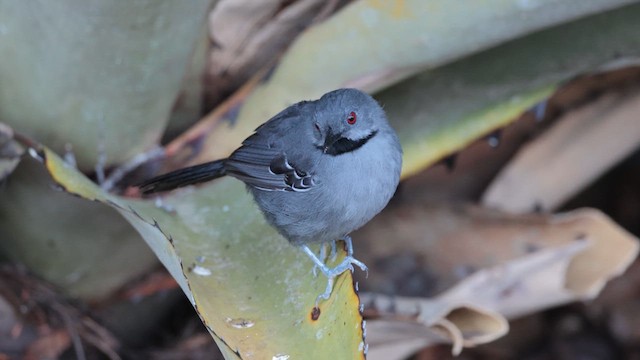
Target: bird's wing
(267, 168)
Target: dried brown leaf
(409, 324)
(522, 264)
(572, 154)
(249, 34)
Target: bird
(318, 170)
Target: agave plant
(91, 95)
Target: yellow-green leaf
(253, 290)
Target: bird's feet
(322, 256)
(331, 273)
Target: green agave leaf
(371, 44)
(253, 290)
(441, 111)
(84, 248)
(104, 79)
(374, 43)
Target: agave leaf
(441, 111)
(102, 80)
(254, 292)
(83, 247)
(371, 44)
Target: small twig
(101, 338)
(118, 173)
(71, 329)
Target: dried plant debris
(397, 326)
(247, 35)
(39, 323)
(582, 146)
(516, 265)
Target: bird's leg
(327, 291)
(322, 257)
(334, 252)
(331, 273)
(350, 260)
(319, 264)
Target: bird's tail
(183, 177)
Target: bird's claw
(331, 273)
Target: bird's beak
(329, 140)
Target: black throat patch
(345, 145)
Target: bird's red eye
(352, 118)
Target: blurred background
(513, 234)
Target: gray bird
(318, 171)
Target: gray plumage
(318, 170)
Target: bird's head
(345, 120)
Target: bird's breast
(359, 185)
